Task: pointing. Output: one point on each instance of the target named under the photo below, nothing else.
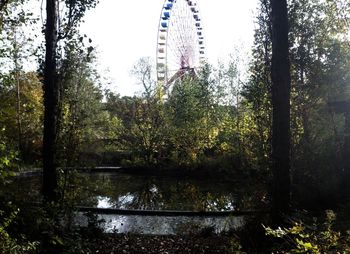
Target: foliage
(9, 245)
(17, 33)
(185, 129)
(191, 114)
(20, 91)
(147, 125)
(84, 122)
(72, 16)
(320, 62)
(320, 238)
(319, 54)
(30, 130)
(257, 93)
(6, 159)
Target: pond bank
(204, 243)
(188, 172)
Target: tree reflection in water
(125, 191)
(165, 193)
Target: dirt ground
(164, 244)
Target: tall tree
(51, 100)
(257, 91)
(73, 14)
(281, 109)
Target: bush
(9, 245)
(316, 239)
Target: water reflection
(104, 202)
(156, 193)
(155, 225)
(124, 191)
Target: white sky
(126, 30)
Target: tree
(319, 59)
(319, 55)
(280, 73)
(30, 115)
(53, 34)
(148, 125)
(257, 92)
(85, 125)
(193, 117)
(51, 103)
(16, 47)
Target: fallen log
(168, 213)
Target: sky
(125, 31)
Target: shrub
(316, 239)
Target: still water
(130, 191)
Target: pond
(143, 192)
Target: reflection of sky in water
(153, 189)
(227, 205)
(104, 202)
(123, 201)
(123, 191)
(162, 225)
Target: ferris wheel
(180, 45)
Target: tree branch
(3, 4)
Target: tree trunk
(19, 122)
(16, 59)
(3, 4)
(281, 110)
(51, 99)
(346, 157)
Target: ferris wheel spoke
(175, 51)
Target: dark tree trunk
(3, 4)
(281, 110)
(345, 190)
(51, 99)
(344, 107)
